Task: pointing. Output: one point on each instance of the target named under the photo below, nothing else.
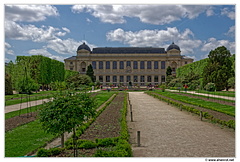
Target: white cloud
(44, 52)
(213, 43)
(31, 32)
(8, 50)
(66, 29)
(153, 14)
(210, 11)
(29, 13)
(231, 32)
(156, 38)
(229, 13)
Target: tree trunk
(74, 143)
(62, 140)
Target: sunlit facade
(122, 65)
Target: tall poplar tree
(90, 73)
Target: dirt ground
(19, 120)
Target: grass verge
(27, 138)
(226, 109)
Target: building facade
(122, 65)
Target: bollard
(131, 107)
(201, 115)
(180, 107)
(138, 139)
(131, 117)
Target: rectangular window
(135, 65)
(94, 64)
(135, 78)
(100, 78)
(71, 63)
(121, 65)
(128, 78)
(71, 68)
(107, 78)
(100, 65)
(128, 63)
(142, 65)
(185, 62)
(114, 78)
(155, 64)
(149, 78)
(107, 64)
(142, 78)
(149, 65)
(163, 79)
(114, 64)
(121, 79)
(155, 78)
(162, 64)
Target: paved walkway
(24, 105)
(168, 132)
(204, 94)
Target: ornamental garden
(65, 103)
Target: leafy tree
(219, 68)
(8, 85)
(25, 84)
(78, 81)
(169, 71)
(69, 73)
(66, 112)
(90, 73)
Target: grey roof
(71, 58)
(173, 46)
(84, 46)
(125, 50)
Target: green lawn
(230, 110)
(219, 93)
(24, 139)
(29, 137)
(23, 111)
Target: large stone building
(121, 65)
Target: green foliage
(57, 85)
(42, 70)
(8, 85)
(169, 71)
(78, 81)
(231, 82)
(88, 145)
(47, 153)
(196, 68)
(25, 138)
(69, 73)
(66, 111)
(210, 87)
(90, 73)
(219, 68)
(26, 85)
(163, 87)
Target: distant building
(121, 65)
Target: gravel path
(168, 132)
(24, 105)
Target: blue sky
(56, 31)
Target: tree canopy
(219, 68)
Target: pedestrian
(185, 87)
